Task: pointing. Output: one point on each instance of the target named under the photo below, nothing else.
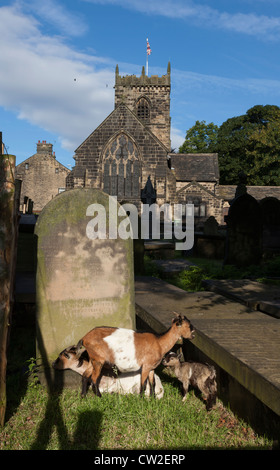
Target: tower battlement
(143, 80)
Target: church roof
(195, 166)
(124, 117)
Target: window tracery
(121, 168)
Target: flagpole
(147, 65)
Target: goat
(196, 374)
(130, 351)
(111, 381)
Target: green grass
(191, 279)
(65, 421)
(36, 420)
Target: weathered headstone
(148, 197)
(211, 226)
(82, 282)
(244, 232)
(270, 210)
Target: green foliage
(201, 138)
(251, 143)
(191, 279)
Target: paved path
(244, 342)
(262, 297)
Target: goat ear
(177, 319)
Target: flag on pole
(148, 47)
(148, 53)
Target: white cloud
(177, 138)
(55, 14)
(260, 26)
(187, 80)
(48, 84)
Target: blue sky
(58, 60)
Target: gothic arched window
(143, 109)
(121, 168)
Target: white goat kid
(111, 380)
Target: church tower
(149, 99)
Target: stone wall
(205, 194)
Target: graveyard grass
(36, 420)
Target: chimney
(44, 148)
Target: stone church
(129, 154)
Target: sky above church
(58, 60)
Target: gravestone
(211, 226)
(270, 210)
(148, 197)
(244, 232)
(81, 282)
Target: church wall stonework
(91, 153)
(156, 90)
(42, 176)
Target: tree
(266, 153)
(251, 143)
(200, 138)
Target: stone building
(129, 156)
(132, 146)
(197, 183)
(42, 176)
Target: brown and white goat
(202, 376)
(111, 380)
(130, 351)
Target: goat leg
(144, 378)
(85, 385)
(152, 382)
(185, 390)
(86, 380)
(96, 376)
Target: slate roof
(195, 166)
(227, 192)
